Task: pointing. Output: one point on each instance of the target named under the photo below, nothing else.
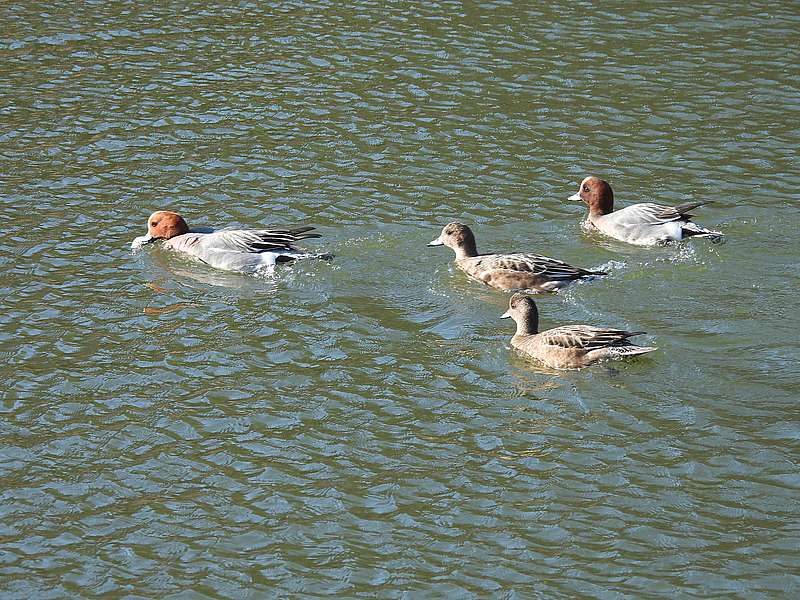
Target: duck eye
(586, 188)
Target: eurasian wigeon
(242, 250)
(643, 224)
(516, 271)
(568, 347)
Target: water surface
(360, 427)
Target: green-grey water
(360, 427)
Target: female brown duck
(514, 271)
(570, 346)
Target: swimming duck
(242, 250)
(570, 346)
(516, 271)
(643, 224)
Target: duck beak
(436, 242)
(141, 241)
(506, 315)
(575, 197)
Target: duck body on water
(512, 271)
(570, 346)
(240, 250)
(644, 224)
(566, 347)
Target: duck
(643, 224)
(240, 250)
(569, 346)
(513, 271)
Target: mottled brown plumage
(514, 271)
(570, 346)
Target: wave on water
(611, 266)
(681, 254)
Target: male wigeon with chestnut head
(243, 250)
(644, 224)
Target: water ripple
(361, 427)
